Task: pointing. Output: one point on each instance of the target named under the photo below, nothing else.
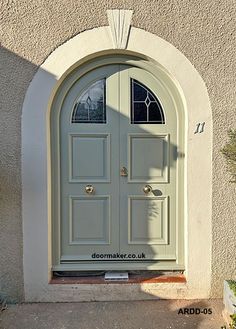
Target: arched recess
(36, 163)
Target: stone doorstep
(143, 278)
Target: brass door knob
(89, 189)
(147, 189)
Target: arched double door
(117, 172)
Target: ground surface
(162, 314)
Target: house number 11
(199, 128)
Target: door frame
(56, 106)
(36, 180)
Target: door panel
(86, 213)
(89, 157)
(144, 164)
(148, 220)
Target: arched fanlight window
(90, 107)
(145, 107)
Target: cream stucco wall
(31, 30)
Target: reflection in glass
(91, 105)
(145, 107)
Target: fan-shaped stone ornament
(119, 21)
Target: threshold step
(134, 277)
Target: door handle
(89, 189)
(147, 189)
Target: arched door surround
(36, 165)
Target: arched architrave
(36, 164)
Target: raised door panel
(89, 157)
(148, 220)
(145, 165)
(89, 220)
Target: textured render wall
(31, 30)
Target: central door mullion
(124, 119)
(124, 90)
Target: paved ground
(160, 314)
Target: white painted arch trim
(35, 178)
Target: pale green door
(148, 151)
(89, 126)
(118, 169)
